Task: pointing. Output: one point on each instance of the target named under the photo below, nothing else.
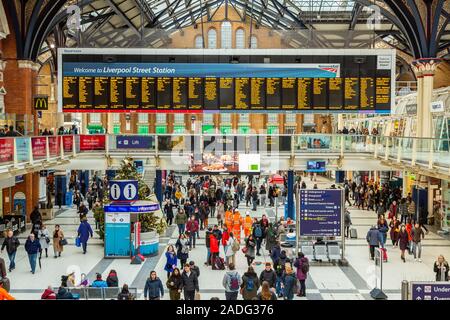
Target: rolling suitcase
(219, 264)
(384, 252)
(353, 233)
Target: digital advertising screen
(316, 166)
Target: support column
(405, 184)
(340, 122)
(424, 70)
(290, 195)
(158, 185)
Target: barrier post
(405, 290)
(430, 158)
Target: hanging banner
(6, 150)
(23, 149)
(39, 147)
(68, 143)
(54, 146)
(92, 142)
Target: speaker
(109, 59)
(359, 60)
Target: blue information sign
(430, 291)
(135, 142)
(320, 213)
(123, 190)
(131, 208)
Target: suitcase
(219, 264)
(353, 233)
(384, 252)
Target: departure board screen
(117, 93)
(320, 94)
(233, 81)
(242, 94)
(351, 94)
(195, 93)
(304, 92)
(288, 94)
(226, 93)
(132, 92)
(86, 92)
(211, 97)
(335, 94)
(163, 93)
(383, 93)
(101, 93)
(180, 93)
(257, 89)
(273, 93)
(148, 93)
(70, 93)
(367, 95)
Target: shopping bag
(197, 296)
(78, 242)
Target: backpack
(258, 231)
(305, 266)
(234, 282)
(236, 246)
(250, 284)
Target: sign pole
(297, 220)
(342, 225)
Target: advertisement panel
(135, 142)
(250, 163)
(54, 146)
(320, 213)
(23, 149)
(68, 143)
(39, 147)
(92, 142)
(214, 164)
(6, 150)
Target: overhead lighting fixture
(52, 45)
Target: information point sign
(430, 290)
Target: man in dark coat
(84, 230)
(189, 283)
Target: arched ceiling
(418, 28)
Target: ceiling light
(52, 46)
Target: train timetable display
(133, 83)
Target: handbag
(78, 242)
(63, 242)
(47, 239)
(244, 250)
(197, 296)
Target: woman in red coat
(214, 248)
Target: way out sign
(123, 190)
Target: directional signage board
(135, 142)
(430, 290)
(320, 213)
(123, 190)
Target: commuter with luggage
(189, 283)
(302, 265)
(347, 223)
(374, 240)
(250, 284)
(232, 282)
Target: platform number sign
(123, 190)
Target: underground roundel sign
(123, 190)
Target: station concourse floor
(328, 282)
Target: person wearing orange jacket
(237, 224)
(229, 220)
(4, 295)
(248, 222)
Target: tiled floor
(325, 282)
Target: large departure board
(148, 93)
(303, 81)
(226, 94)
(117, 93)
(70, 93)
(242, 94)
(86, 92)
(164, 93)
(195, 93)
(288, 94)
(257, 89)
(132, 92)
(180, 93)
(273, 93)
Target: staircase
(149, 177)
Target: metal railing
(89, 293)
(23, 151)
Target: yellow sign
(40, 103)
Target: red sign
(54, 146)
(92, 142)
(39, 147)
(6, 150)
(68, 143)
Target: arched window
(212, 39)
(226, 35)
(240, 39)
(253, 42)
(198, 42)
